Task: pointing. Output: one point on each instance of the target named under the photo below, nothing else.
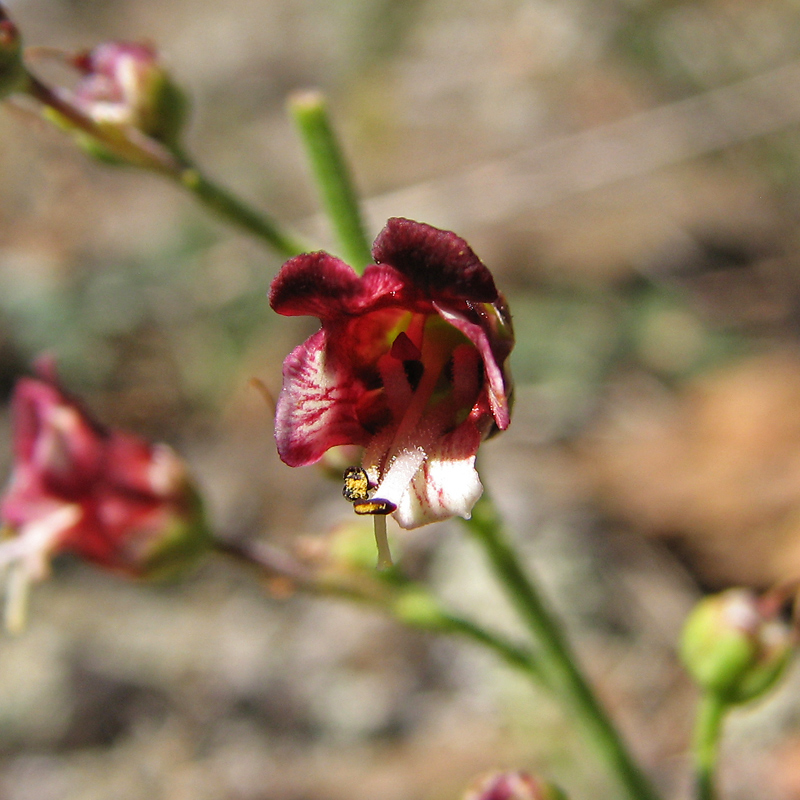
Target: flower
(511, 786)
(103, 495)
(410, 364)
(124, 85)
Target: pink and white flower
(410, 363)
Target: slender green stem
(410, 604)
(226, 205)
(133, 147)
(707, 730)
(556, 658)
(514, 655)
(334, 183)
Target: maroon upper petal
(438, 263)
(321, 285)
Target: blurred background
(629, 170)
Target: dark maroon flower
(103, 495)
(410, 363)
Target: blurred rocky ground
(629, 170)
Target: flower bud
(12, 70)
(511, 786)
(124, 85)
(734, 647)
(103, 495)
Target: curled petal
(496, 383)
(320, 285)
(54, 437)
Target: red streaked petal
(317, 406)
(447, 483)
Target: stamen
(418, 428)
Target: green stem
(338, 195)
(515, 656)
(133, 147)
(708, 727)
(409, 604)
(556, 658)
(415, 606)
(223, 203)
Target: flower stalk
(711, 714)
(332, 176)
(409, 603)
(382, 542)
(224, 204)
(125, 143)
(556, 658)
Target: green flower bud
(733, 648)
